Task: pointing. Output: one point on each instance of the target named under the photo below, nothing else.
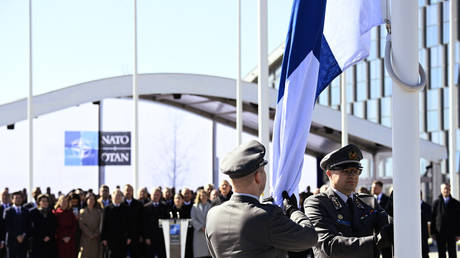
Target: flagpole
(30, 111)
(135, 156)
(239, 97)
(262, 82)
(453, 101)
(405, 128)
(343, 108)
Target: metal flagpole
(262, 82)
(405, 113)
(453, 101)
(239, 97)
(343, 108)
(135, 156)
(30, 111)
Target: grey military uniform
(243, 227)
(344, 232)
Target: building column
(215, 160)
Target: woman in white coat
(199, 211)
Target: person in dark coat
(382, 200)
(445, 225)
(180, 211)
(134, 220)
(426, 217)
(153, 234)
(225, 190)
(17, 228)
(6, 203)
(115, 234)
(43, 229)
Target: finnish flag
(324, 38)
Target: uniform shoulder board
(367, 199)
(268, 200)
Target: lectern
(175, 235)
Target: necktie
(18, 210)
(351, 208)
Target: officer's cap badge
(353, 155)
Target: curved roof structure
(214, 98)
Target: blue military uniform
(346, 225)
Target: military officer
(244, 227)
(346, 222)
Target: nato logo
(81, 148)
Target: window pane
(432, 25)
(335, 91)
(372, 110)
(376, 79)
(358, 109)
(323, 98)
(361, 81)
(385, 107)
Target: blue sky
(78, 41)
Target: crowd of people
(108, 224)
(115, 224)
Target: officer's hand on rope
(289, 203)
(385, 238)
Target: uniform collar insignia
(336, 202)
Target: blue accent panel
(81, 148)
(304, 35)
(328, 67)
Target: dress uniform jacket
(243, 227)
(340, 233)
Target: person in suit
(167, 197)
(104, 197)
(382, 200)
(90, 223)
(33, 204)
(426, 217)
(225, 190)
(6, 203)
(134, 220)
(377, 191)
(143, 196)
(214, 197)
(346, 221)
(187, 206)
(43, 229)
(153, 234)
(244, 227)
(198, 214)
(67, 225)
(17, 228)
(115, 232)
(445, 225)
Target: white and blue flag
(324, 38)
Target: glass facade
(369, 87)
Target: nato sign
(82, 148)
